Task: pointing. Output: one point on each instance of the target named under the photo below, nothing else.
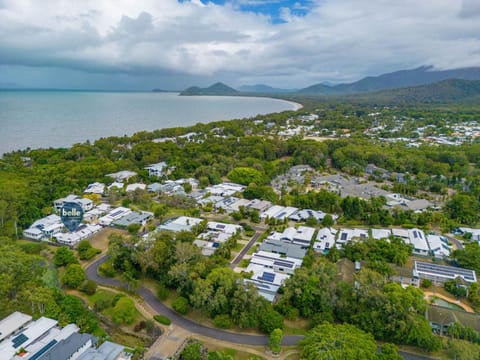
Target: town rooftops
(134, 217)
(12, 323)
(32, 332)
(284, 248)
(222, 227)
(95, 188)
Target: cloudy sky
(172, 44)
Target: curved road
(236, 338)
(185, 323)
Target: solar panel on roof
(215, 245)
(268, 277)
(282, 214)
(283, 263)
(44, 350)
(343, 236)
(220, 226)
(19, 340)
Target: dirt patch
(100, 240)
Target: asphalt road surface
(245, 249)
(159, 307)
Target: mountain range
(399, 79)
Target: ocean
(39, 119)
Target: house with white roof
(276, 262)
(121, 176)
(303, 215)
(379, 234)
(301, 236)
(325, 239)
(85, 203)
(114, 215)
(227, 204)
(12, 323)
(182, 223)
(442, 273)
(116, 185)
(259, 205)
(438, 245)
(95, 188)
(83, 232)
(157, 170)
(34, 330)
(136, 186)
(418, 240)
(44, 228)
(347, 235)
(223, 227)
(225, 189)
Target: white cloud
(335, 40)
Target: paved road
(187, 324)
(457, 243)
(247, 247)
(159, 307)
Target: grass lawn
(236, 354)
(296, 327)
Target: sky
(173, 44)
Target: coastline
(104, 114)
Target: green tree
(64, 256)
(246, 176)
(180, 305)
(275, 340)
(124, 311)
(193, 351)
(329, 341)
(73, 276)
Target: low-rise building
(114, 215)
(136, 186)
(83, 232)
(157, 170)
(44, 228)
(438, 245)
(95, 188)
(347, 235)
(225, 189)
(134, 217)
(85, 203)
(442, 273)
(12, 323)
(379, 234)
(305, 214)
(325, 240)
(276, 262)
(121, 176)
(182, 223)
(223, 227)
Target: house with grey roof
(70, 348)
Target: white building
(347, 235)
(95, 188)
(225, 228)
(441, 273)
(325, 239)
(303, 215)
(225, 189)
(301, 236)
(379, 234)
(182, 223)
(121, 176)
(136, 186)
(12, 323)
(85, 203)
(157, 170)
(276, 262)
(44, 228)
(438, 245)
(114, 215)
(73, 238)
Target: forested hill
(404, 78)
(442, 92)
(215, 89)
